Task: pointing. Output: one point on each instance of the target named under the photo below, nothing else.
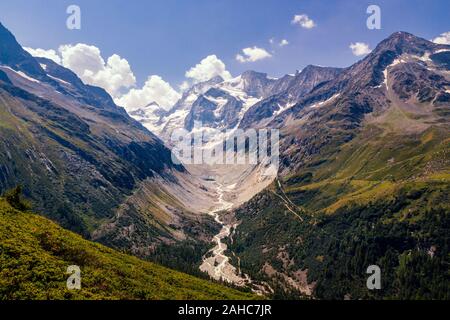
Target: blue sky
(168, 37)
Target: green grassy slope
(35, 254)
(382, 198)
(373, 165)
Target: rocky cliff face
(242, 102)
(285, 93)
(398, 74)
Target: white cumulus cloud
(208, 68)
(185, 85)
(42, 53)
(444, 38)
(360, 48)
(252, 54)
(304, 21)
(86, 61)
(283, 43)
(114, 75)
(155, 89)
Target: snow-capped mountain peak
(223, 104)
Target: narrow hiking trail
(287, 202)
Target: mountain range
(363, 179)
(85, 163)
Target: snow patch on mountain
(320, 104)
(236, 88)
(58, 79)
(386, 70)
(21, 74)
(221, 96)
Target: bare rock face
(398, 73)
(215, 109)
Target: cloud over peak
(208, 68)
(117, 78)
(87, 62)
(42, 53)
(444, 38)
(155, 89)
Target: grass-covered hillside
(381, 199)
(35, 254)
